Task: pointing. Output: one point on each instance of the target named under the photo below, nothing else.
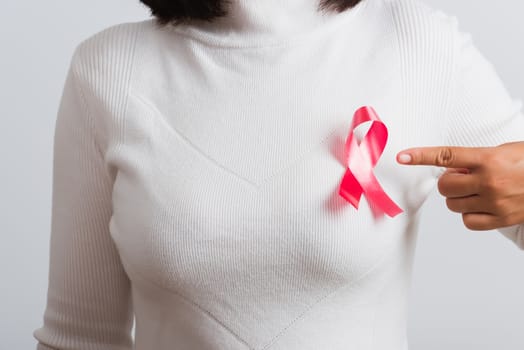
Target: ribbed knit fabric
(196, 171)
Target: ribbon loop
(361, 159)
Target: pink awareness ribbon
(361, 159)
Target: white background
(468, 286)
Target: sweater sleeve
(482, 112)
(88, 297)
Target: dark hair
(177, 11)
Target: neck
(271, 16)
(268, 21)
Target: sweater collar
(267, 22)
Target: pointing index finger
(443, 156)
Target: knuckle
(499, 205)
(445, 156)
(492, 158)
(494, 185)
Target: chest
(230, 183)
(225, 205)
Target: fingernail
(404, 158)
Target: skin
(484, 184)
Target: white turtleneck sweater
(196, 171)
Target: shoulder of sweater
(427, 36)
(418, 21)
(410, 11)
(107, 53)
(102, 65)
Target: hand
(485, 184)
